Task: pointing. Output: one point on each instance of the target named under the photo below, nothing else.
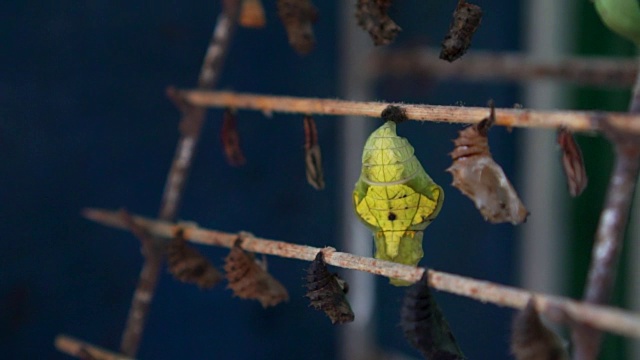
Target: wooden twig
(85, 351)
(516, 67)
(573, 120)
(556, 308)
(190, 126)
(611, 228)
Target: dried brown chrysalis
(312, 154)
(531, 340)
(188, 265)
(327, 292)
(372, 17)
(297, 16)
(480, 178)
(424, 325)
(466, 19)
(252, 14)
(249, 280)
(231, 139)
(572, 162)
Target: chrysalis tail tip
(394, 113)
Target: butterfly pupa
(480, 178)
(326, 291)
(188, 265)
(298, 16)
(424, 324)
(372, 16)
(394, 196)
(249, 280)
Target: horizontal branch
(556, 308)
(519, 67)
(85, 351)
(572, 120)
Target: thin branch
(556, 308)
(190, 127)
(85, 351)
(517, 67)
(573, 120)
(611, 228)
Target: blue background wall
(84, 122)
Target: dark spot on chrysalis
(326, 291)
(394, 113)
(424, 325)
(392, 216)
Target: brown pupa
(572, 163)
(312, 154)
(466, 20)
(327, 292)
(424, 325)
(372, 17)
(231, 139)
(480, 178)
(298, 16)
(188, 265)
(250, 280)
(532, 340)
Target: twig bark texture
(556, 308)
(611, 229)
(572, 120)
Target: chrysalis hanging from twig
(298, 16)
(327, 291)
(372, 17)
(188, 265)
(531, 340)
(479, 177)
(572, 162)
(252, 14)
(250, 280)
(394, 196)
(312, 154)
(466, 19)
(231, 139)
(424, 324)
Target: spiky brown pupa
(252, 14)
(249, 280)
(572, 162)
(188, 265)
(425, 326)
(532, 340)
(466, 20)
(480, 178)
(298, 16)
(231, 139)
(372, 17)
(327, 292)
(312, 154)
